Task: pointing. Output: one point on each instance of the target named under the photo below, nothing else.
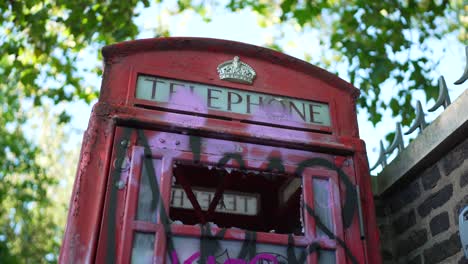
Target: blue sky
(243, 26)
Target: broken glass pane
(248, 199)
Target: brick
(439, 223)
(382, 228)
(442, 250)
(463, 260)
(404, 222)
(435, 200)
(464, 178)
(430, 177)
(413, 241)
(386, 254)
(455, 157)
(385, 231)
(459, 207)
(380, 208)
(404, 197)
(415, 260)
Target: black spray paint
(209, 244)
(121, 150)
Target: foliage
(379, 41)
(41, 43)
(33, 203)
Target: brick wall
(418, 217)
(420, 194)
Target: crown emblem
(236, 71)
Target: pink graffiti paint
(264, 256)
(212, 260)
(191, 259)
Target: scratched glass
(326, 257)
(143, 248)
(322, 206)
(146, 210)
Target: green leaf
(41, 42)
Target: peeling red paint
(87, 238)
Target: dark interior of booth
(278, 198)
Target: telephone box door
(186, 198)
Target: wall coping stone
(441, 136)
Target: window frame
(169, 157)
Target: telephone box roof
(129, 48)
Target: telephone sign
(213, 151)
(223, 99)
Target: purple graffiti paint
(264, 256)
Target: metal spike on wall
(464, 76)
(419, 121)
(397, 141)
(382, 158)
(444, 97)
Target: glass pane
(326, 257)
(187, 247)
(143, 248)
(146, 211)
(322, 205)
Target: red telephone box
(213, 151)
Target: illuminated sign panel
(230, 202)
(202, 97)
